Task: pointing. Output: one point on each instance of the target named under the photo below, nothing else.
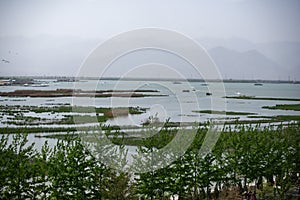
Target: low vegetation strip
(65, 130)
(261, 98)
(295, 107)
(7, 130)
(223, 112)
(279, 118)
(27, 128)
(80, 93)
(67, 109)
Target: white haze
(54, 37)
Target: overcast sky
(256, 20)
(45, 24)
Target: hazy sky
(53, 37)
(256, 20)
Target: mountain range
(240, 58)
(236, 58)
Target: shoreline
(74, 79)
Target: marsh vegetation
(264, 159)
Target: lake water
(170, 106)
(178, 104)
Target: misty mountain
(246, 65)
(234, 43)
(236, 57)
(284, 54)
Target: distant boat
(258, 84)
(185, 90)
(204, 84)
(177, 82)
(208, 93)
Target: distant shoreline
(154, 79)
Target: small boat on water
(185, 90)
(177, 82)
(258, 84)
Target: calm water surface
(178, 105)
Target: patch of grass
(79, 93)
(7, 130)
(137, 110)
(261, 98)
(114, 112)
(20, 119)
(259, 121)
(24, 118)
(63, 136)
(295, 107)
(288, 117)
(260, 116)
(62, 109)
(81, 119)
(279, 117)
(37, 109)
(11, 110)
(158, 140)
(223, 112)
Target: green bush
(243, 154)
